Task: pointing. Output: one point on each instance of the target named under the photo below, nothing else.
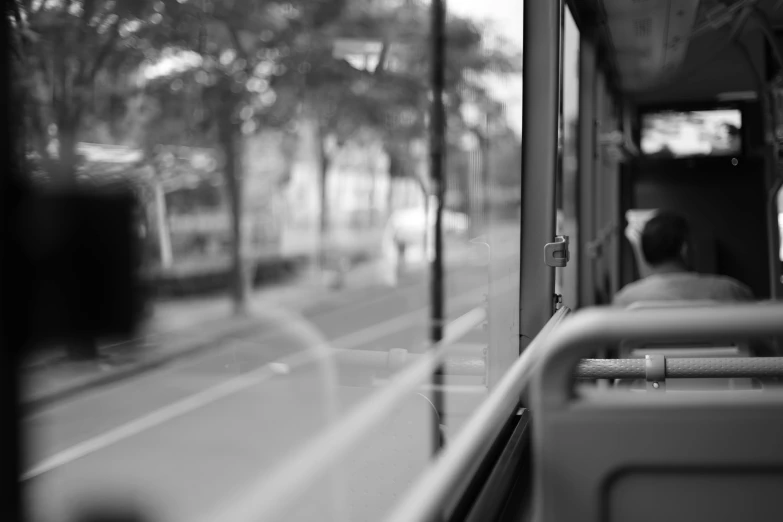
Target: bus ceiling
(661, 51)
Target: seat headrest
(647, 305)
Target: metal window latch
(556, 254)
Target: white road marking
(228, 388)
(275, 490)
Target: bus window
(566, 278)
(281, 155)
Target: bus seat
(621, 457)
(637, 349)
(665, 457)
(646, 305)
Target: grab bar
(681, 368)
(591, 329)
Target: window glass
(566, 278)
(279, 156)
(780, 220)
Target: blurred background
(278, 154)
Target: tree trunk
(68, 158)
(429, 230)
(323, 223)
(479, 222)
(392, 175)
(390, 197)
(161, 221)
(230, 144)
(373, 188)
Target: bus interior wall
(629, 272)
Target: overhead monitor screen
(687, 134)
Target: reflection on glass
(780, 220)
(279, 154)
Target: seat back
(658, 456)
(638, 348)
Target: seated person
(665, 246)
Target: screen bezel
(706, 107)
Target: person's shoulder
(736, 288)
(729, 281)
(628, 294)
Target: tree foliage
(66, 46)
(393, 96)
(94, 68)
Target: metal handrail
(598, 327)
(426, 497)
(277, 490)
(682, 368)
(592, 327)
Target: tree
(258, 65)
(264, 65)
(329, 99)
(396, 93)
(63, 47)
(253, 56)
(373, 78)
(69, 45)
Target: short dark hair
(663, 238)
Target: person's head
(665, 240)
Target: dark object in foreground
(81, 255)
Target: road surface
(181, 441)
